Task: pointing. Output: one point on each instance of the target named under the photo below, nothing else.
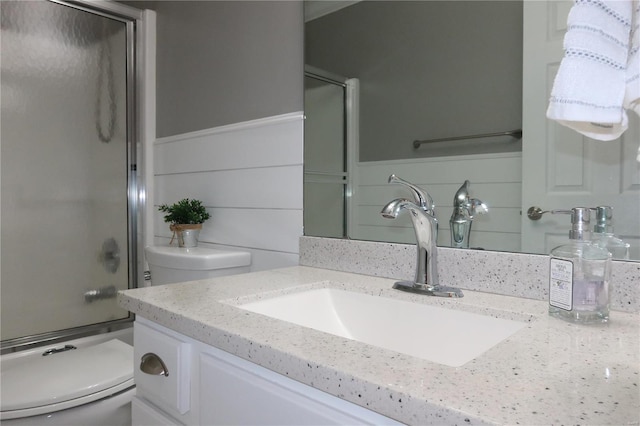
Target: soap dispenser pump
(579, 276)
(603, 234)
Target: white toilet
(174, 264)
(91, 384)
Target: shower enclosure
(330, 140)
(69, 210)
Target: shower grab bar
(517, 134)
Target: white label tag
(561, 284)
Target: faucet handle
(461, 199)
(422, 198)
(477, 207)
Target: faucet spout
(425, 226)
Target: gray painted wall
(222, 62)
(427, 69)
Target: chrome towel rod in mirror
(516, 134)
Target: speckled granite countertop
(550, 372)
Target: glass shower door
(325, 167)
(66, 162)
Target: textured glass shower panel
(324, 159)
(64, 167)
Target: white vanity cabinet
(205, 385)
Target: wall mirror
(466, 77)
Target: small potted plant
(185, 220)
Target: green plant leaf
(185, 211)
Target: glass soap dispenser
(603, 234)
(579, 276)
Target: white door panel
(562, 168)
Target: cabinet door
(236, 392)
(171, 390)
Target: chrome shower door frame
(140, 35)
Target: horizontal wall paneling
(249, 177)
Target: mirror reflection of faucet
(425, 225)
(464, 210)
(603, 234)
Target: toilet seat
(37, 384)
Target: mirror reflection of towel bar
(517, 134)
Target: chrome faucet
(425, 225)
(464, 210)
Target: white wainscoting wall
(495, 179)
(249, 176)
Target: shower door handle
(110, 255)
(151, 363)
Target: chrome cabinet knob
(151, 363)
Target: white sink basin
(445, 336)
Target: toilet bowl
(169, 265)
(90, 383)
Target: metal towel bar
(517, 134)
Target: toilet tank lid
(196, 258)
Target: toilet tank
(175, 264)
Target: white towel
(599, 76)
(632, 95)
